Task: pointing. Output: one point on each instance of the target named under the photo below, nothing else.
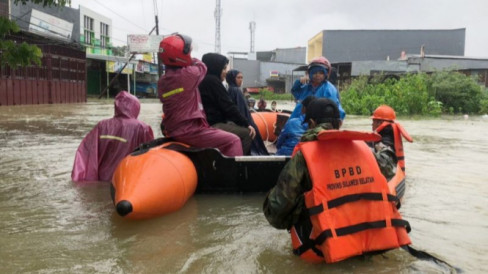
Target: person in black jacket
(221, 112)
(234, 80)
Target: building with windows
(83, 28)
(269, 69)
(96, 31)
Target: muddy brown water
(48, 224)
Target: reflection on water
(50, 224)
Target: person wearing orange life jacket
(332, 196)
(391, 132)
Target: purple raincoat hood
(110, 141)
(126, 105)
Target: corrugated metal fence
(61, 78)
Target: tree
(120, 51)
(13, 54)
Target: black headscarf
(215, 63)
(217, 103)
(230, 78)
(257, 146)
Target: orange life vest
(398, 133)
(350, 207)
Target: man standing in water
(110, 141)
(332, 192)
(391, 132)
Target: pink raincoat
(184, 117)
(110, 141)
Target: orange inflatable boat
(269, 123)
(153, 181)
(159, 177)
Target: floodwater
(48, 224)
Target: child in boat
(293, 131)
(110, 141)
(184, 117)
(316, 83)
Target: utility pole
(105, 90)
(157, 33)
(252, 28)
(217, 14)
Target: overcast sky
(290, 23)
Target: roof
(381, 44)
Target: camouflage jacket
(284, 205)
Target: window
(104, 35)
(88, 29)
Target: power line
(119, 15)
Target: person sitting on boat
(391, 132)
(221, 112)
(316, 83)
(334, 166)
(184, 117)
(293, 131)
(110, 141)
(234, 80)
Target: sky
(289, 23)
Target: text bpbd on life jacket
(347, 173)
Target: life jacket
(397, 184)
(351, 209)
(398, 133)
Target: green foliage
(458, 92)
(7, 26)
(484, 102)
(19, 54)
(267, 94)
(120, 51)
(13, 54)
(415, 94)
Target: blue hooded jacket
(290, 135)
(324, 90)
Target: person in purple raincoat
(184, 117)
(110, 141)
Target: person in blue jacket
(293, 130)
(316, 84)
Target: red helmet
(174, 50)
(384, 112)
(321, 61)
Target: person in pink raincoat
(184, 117)
(110, 141)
